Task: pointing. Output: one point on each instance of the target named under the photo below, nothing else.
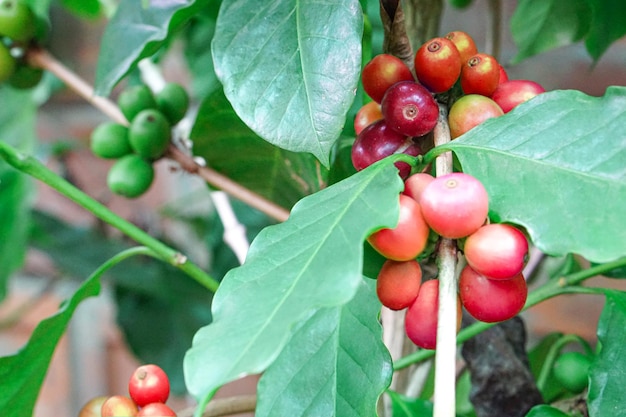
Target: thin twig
(40, 58)
(225, 407)
(445, 355)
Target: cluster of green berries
(17, 31)
(144, 140)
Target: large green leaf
(17, 127)
(607, 25)
(404, 406)
(608, 370)
(137, 32)
(335, 364)
(230, 147)
(555, 165)
(311, 261)
(290, 68)
(540, 25)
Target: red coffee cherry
(512, 93)
(408, 239)
(464, 43)
(455, 205)
(381, 72)
(469, 111)
(415, 184)
(367, 114)
(149, 384)
(410, 109)
(497, 251)
(491, 300)
(438, 64)
(480, 75)
(398, 283)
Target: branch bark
(225, 407)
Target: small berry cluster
(455, 206)
(145, 140)
(17, 32)
(149, 389)
(404, 110)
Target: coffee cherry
(398, 283)
(7, 63)
(367, 114)
(420, 322)
(134, 99)
(464, 43)
(504, 77)
(378, 141)
(156, 410)
(25, 77)
(149, 384)
(480, 75)
(381, 72)
(415, 184)
(410, 109)
(497, 251)
(455, 205)
(510, 94)
(490, 300)
(119, 406)
(17, 21)
(469, 111)
(130, 176)
(92, 407)
(110, 140)
(571, 370)
(173, 102)
(438, 64)
(408, 239)
(149, 133)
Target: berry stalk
(445, 356)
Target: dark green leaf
(335, 364)
(290, 68)
(537, 357)
(545, 411)
(608, 371)
(540, 25)
(311, 261)
(137, 32)
(89, 9)
(615, 273)
(555, 165)
(607, 25)
(410, 407)
(231, 148)
(22, 374)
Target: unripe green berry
(130, 176)
(110, 140)
(134, 99)
(17, 21)
(26, 77)
(173, 102)
(149, 134)
(7, 64)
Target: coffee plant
(390, 176)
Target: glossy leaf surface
(567, 189)
(290, 68)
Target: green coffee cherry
(130, 176)
(26, 77)
(17, 21)
(110, 140)
(7, 64)
(571, 370)
(135, 99)
(149, 134)
(173, 102)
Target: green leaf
(540, 25)
(22, 374)
(290, 68)
(89, 9)
(608, 371)
(543, 410)
(619, 273)
(335, 363)
(409, 407)
(537, 357)
(137, 32)
(231, 148)
(555, 165)
(311, 261)
(607, 25)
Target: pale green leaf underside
(311, 261)
(290, 68)
(557, 165)
(335, 364)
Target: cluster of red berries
(149, 389)
(404, 109)
(455, 206)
